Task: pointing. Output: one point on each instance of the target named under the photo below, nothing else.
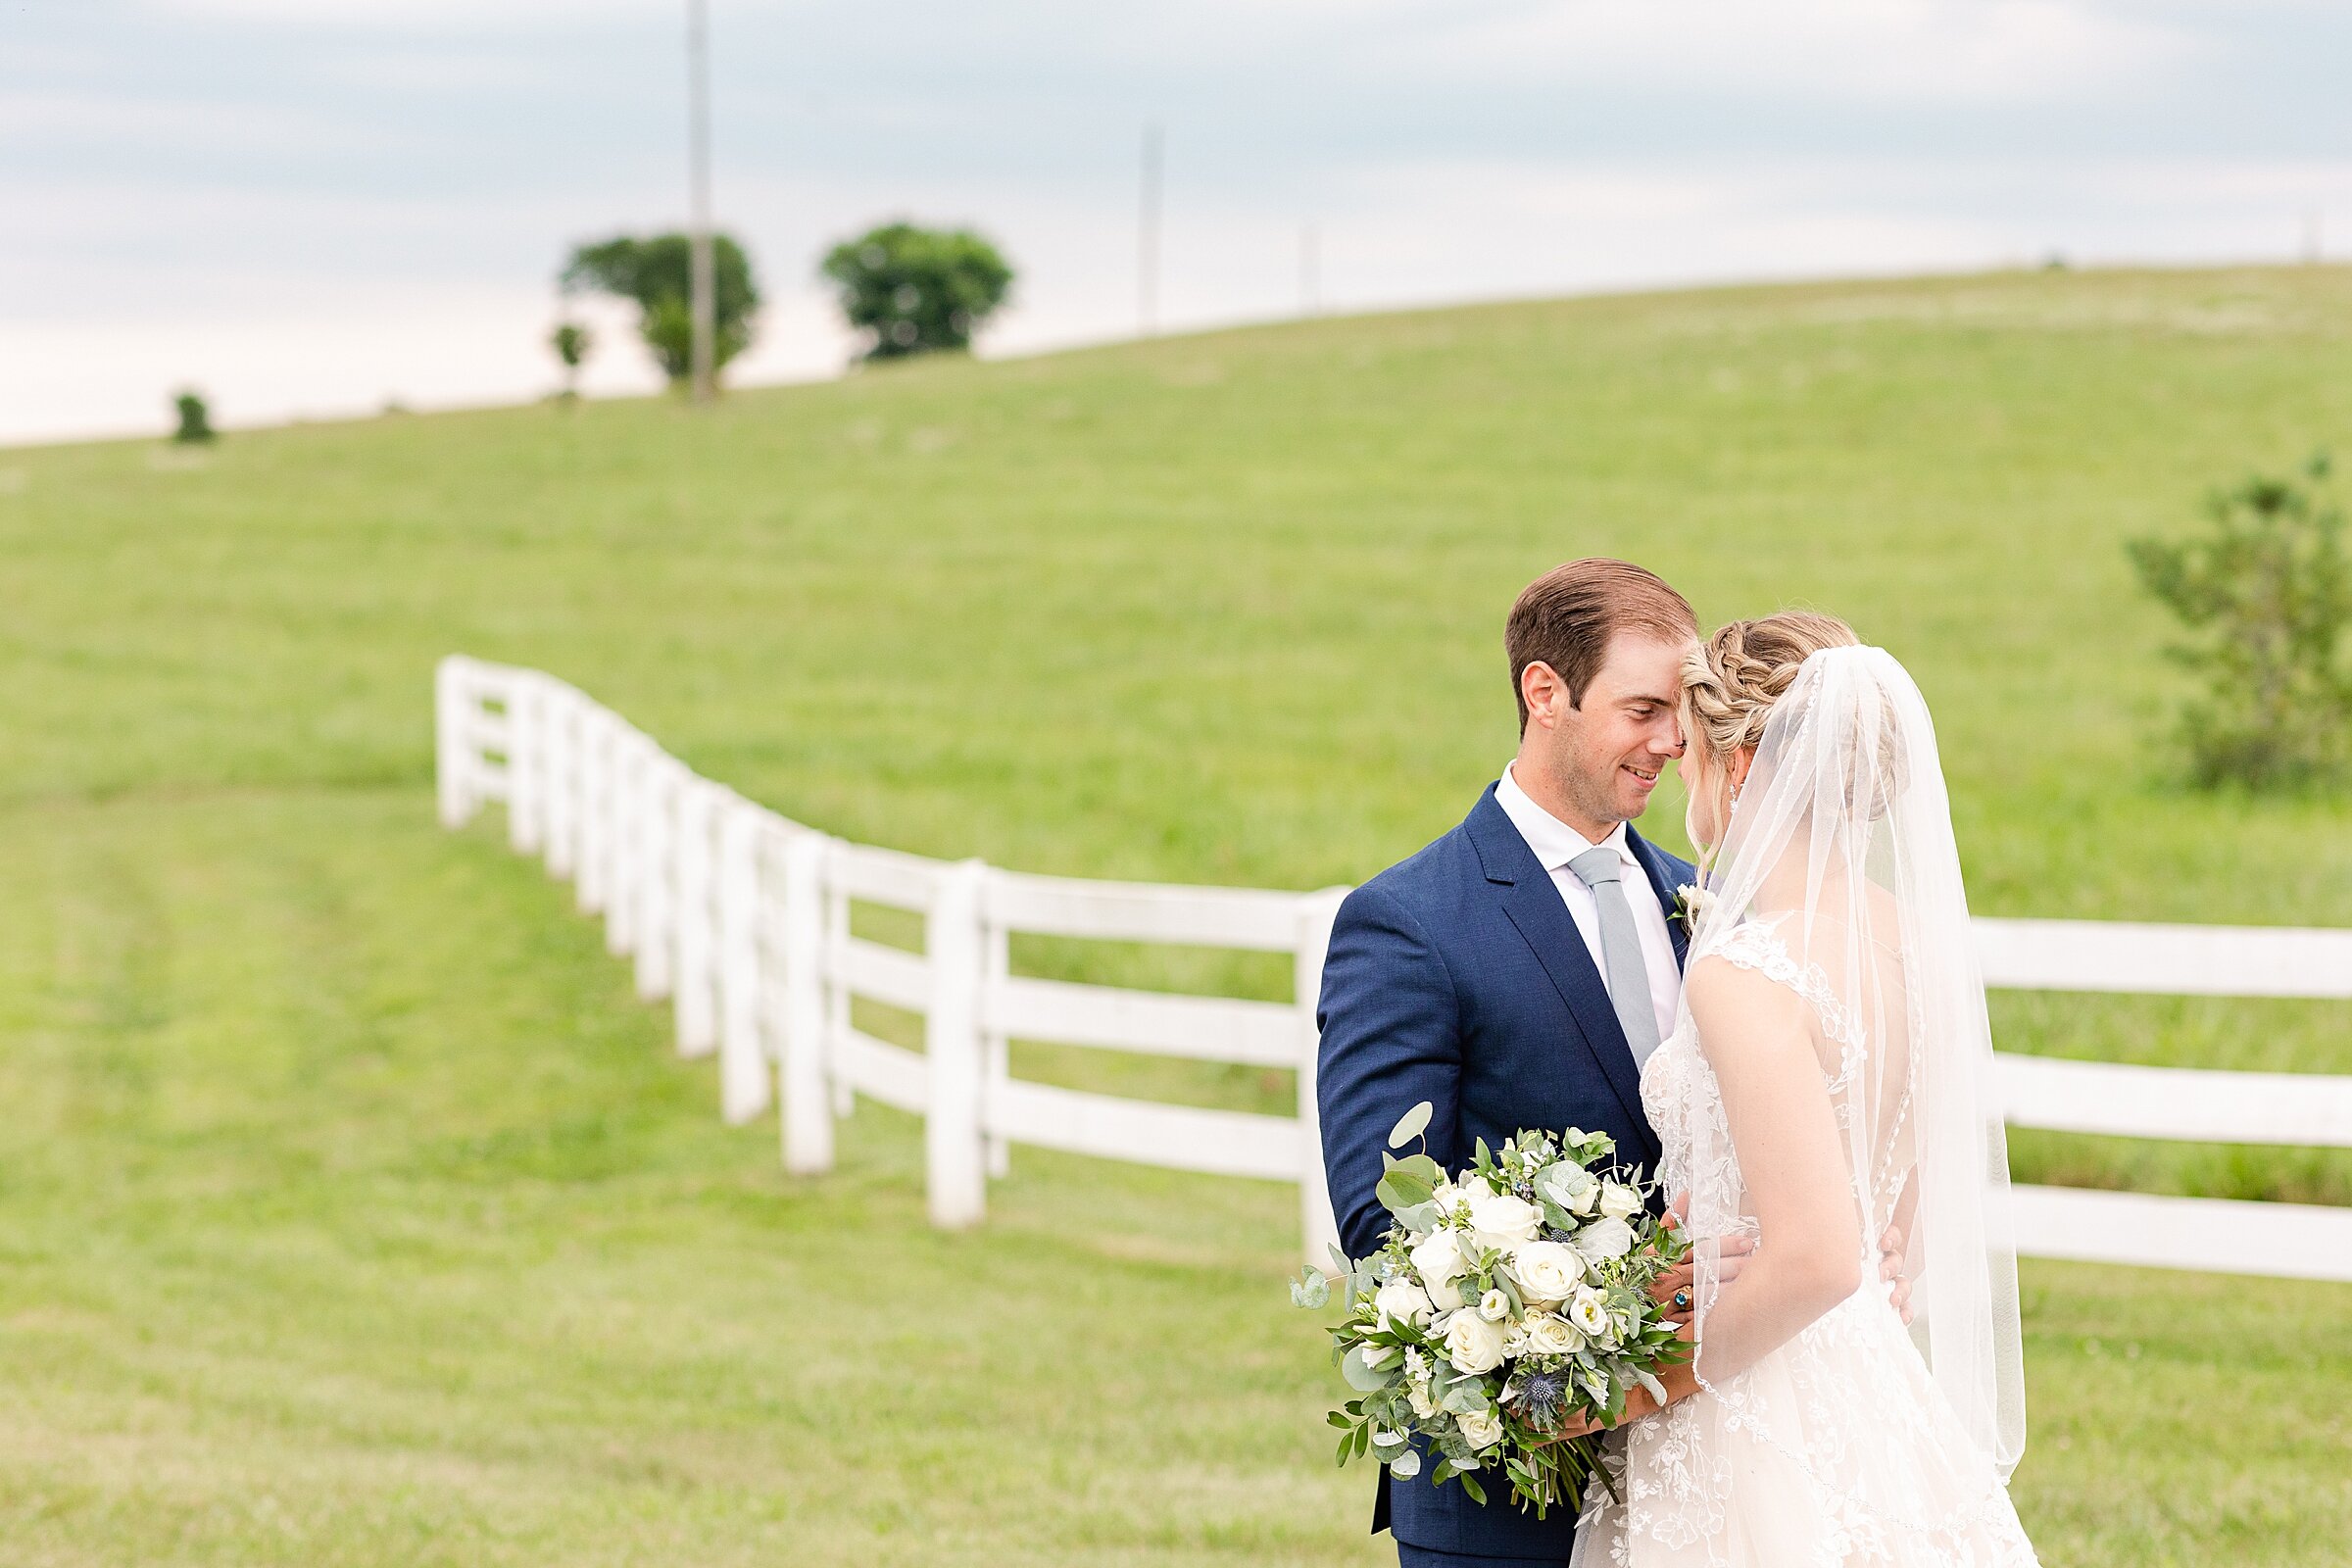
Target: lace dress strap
(1757, 944)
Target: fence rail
(741, 917)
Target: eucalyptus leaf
(1401, 1189)
(1421, 1165)
(1418, 1220)
(1465, 1398)
(1310, 1290)
(1359, 1373)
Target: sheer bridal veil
(1839, 876)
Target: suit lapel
(1534, 907)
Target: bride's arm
(1758, 1037)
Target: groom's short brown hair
(1566, 617)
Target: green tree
(655, 272)
(918, 290)
(195, 420)
(571, 342)
(2269, 591)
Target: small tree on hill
(2270, 590)
(195, 420)
(571, 342)
(918, 290)
(657, 271)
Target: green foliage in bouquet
(1504, 1303)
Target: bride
(1828, 1080)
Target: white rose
(1604, 1239)
(1494, 1306)
(1588, 1312)
(1417, 1395)
(1437, 1257)
(1546, 1271)
(1403, 1304)
(1445, 1295)
(1481, 1428)
(1470, 1186)
(1619, 1202)
(1472, 1343)
(1572, 1187)
(1505, 1221)
(1548, 1334)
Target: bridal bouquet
(1505, 1302)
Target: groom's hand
(1891, 1246)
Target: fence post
(738, 934)
(835, 993)
(563, 779)
(744, 1053)
(996, 1048)
(807, 1114)
(1320, 1230)
(595, 867)
(625, 825)
(657, 872)
(694, 983)
(955, 1161)
(453, 742)
(526, 763)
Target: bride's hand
(1672, 1288)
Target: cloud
(1870, 51)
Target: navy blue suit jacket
(1458, 978)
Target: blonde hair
(1731, 682)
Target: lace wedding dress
(1838, 1437)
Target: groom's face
(1605, 754)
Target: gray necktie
(1620, 949)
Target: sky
(312, 208)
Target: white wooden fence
(741, 918)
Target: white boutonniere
(1691, 906)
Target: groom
(1517, 972)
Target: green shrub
(571, 342)
(2266, 593)
(657, 272)
(195, 420)
(918, 290)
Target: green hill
(356, 1216)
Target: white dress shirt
(1557, 844)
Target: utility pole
(1147, 268)
(703, 302)
(1310, 270)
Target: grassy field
(353, 1215)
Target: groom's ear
(1544, 693)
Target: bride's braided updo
(1731, 681)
